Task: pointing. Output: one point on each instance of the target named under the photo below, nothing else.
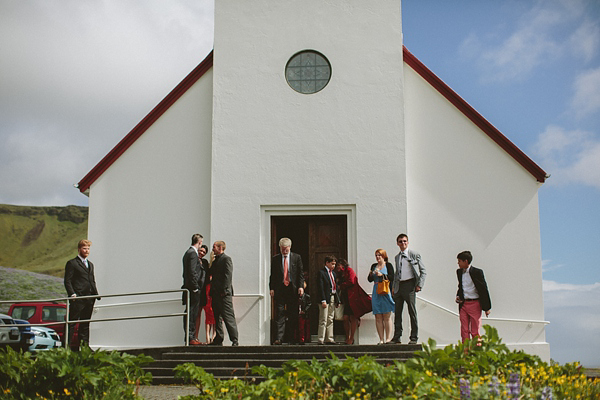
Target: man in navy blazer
(193, 280)
(80, 281)
(329, 300)
(285, 288)
(472, 297)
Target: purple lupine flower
(494, 386)
(465, 389)
(513, 385)
(547, 393)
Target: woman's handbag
(383, 287)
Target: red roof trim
(409, 59)
(146, 123)
(474, 116)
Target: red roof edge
(409, 59)
(483, 124)
(146, 123)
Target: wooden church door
(313, 237)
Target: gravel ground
(167, 392)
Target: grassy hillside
(40, 239)
(23, 285)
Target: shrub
(478, 369)
(64, 374)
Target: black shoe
(412, 342)
(216, 343)
(235, 344)
(394, 341)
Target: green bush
(65, 374)
(478, 369)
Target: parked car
(26, 334)
(44, 312)
(9, 335)
(44, 339)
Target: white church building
(310, 120)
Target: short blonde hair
(84, 242)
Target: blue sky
(77, 75)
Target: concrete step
(226, 362)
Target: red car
(44, 312)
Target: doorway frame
(268, 211)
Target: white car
(44, 339)
(9, 335)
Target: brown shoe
(195, 342)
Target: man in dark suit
(328, 297)
(80, 281)
(221, 292)
(472, 296)
(193, 280)
(286, 284)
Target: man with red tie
(286, 283)
(328, 297)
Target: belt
(471, 299)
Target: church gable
(409, 59)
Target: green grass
(24, 285)
(40, 239)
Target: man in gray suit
(407, 283)
(221, 292)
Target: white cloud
(574, 322)
(538, 37)
(585, 41)
(77, 76)
(569, 156)
(587, 93)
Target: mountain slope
(40, 239)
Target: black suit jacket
(222, 275)
(193, 272)
(324, 286)
(296, 271)
(80, 280)
(480, 284)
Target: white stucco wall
(143, 212)
(466, 193)
(343, 146)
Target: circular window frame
(308, 81)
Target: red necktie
(332, 280)
(286, 272)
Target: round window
(308, 72)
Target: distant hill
(17, 284)
(40, 239)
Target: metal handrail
(68, 300)
(532, 321)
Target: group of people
(210, 288)
(393, 286)
(408, 278)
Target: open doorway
(313, 237)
